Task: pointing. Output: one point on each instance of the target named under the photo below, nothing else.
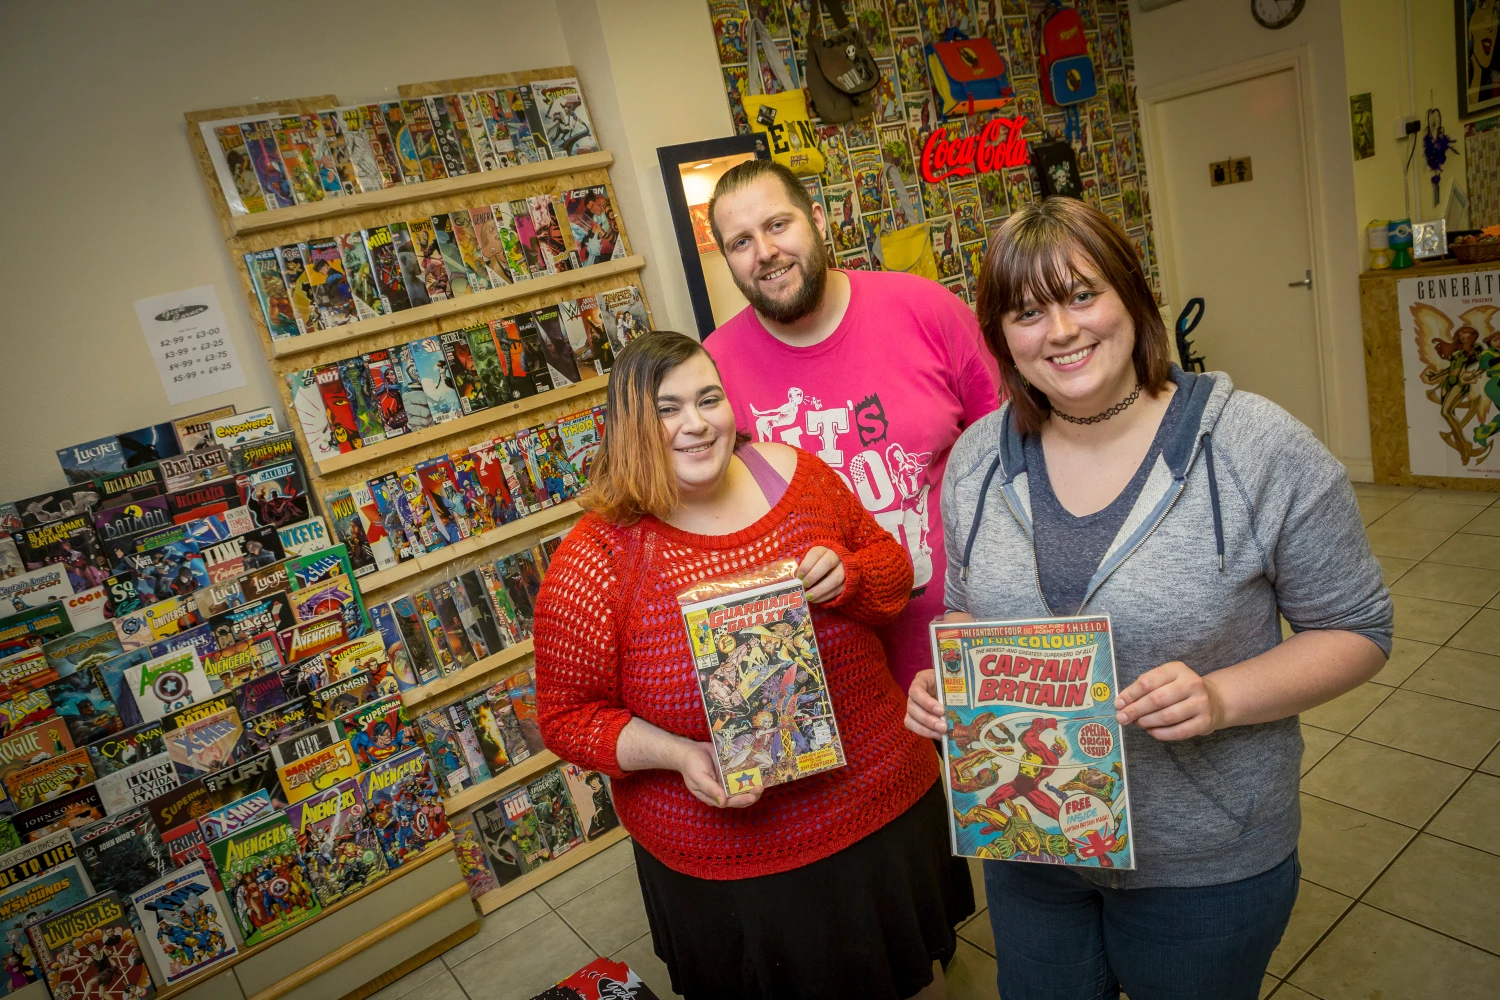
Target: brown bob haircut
(632, 475)
(1037, 256)
(742, 175)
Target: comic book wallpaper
(963, 211)
(1033, 755)
(1450, 354)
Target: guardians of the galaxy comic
(1034, 760)
(762, 679)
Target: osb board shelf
(402, 194)
(496, 898)
(447, 554)
(460, 680)
(1385, 377)
(433, 852)
(513, 775)
(341, 335)
(463, 425)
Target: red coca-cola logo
(998, 147)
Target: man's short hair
(743, 175)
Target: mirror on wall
(690, 171)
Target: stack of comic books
(266, 162)
(1033, 755)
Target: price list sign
(190, 343)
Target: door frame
(1297, 60)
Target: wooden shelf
(432, 560)
(495, 414)
(513, 775)
(289, 346)
(405, 193)
(413, 697)
(433, 852)
(496, 898)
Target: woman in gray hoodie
(1112, 481)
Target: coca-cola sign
(997, 147)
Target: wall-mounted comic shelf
(279, 218)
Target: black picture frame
(1484, 96)
(671, 159)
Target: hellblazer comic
(762, 679)
(1034, 761)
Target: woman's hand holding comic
(822, 573)
(1172, 702)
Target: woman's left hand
(822, 573)
(1172, 702)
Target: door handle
(1304, 283)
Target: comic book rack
(247, 233)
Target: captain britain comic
(1034, 762)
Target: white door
(1240, 246)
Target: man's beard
(814, 270)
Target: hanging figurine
(1437, 146)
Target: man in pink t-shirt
(876, 373)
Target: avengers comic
(265, 879)
(761, 677)
(340, 848)
(403, 805)
(1033, 754)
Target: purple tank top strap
(766, 477)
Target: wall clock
(1275, 14)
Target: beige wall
(1376, 52)
(106, 205)
(1196, 37)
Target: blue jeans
(1058, 937)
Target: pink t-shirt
(881, 401)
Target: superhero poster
(1450, 351)
(1034, 759)
(761, 678)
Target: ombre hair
(633, 475)
(1036, 256)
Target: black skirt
(864, 923)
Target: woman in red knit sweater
(835, 885)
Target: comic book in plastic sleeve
(321, 148)
(297, 157)
(445, 135)
(359, 145)
(403, 805)
(1034, 760)
(564, 117)
(260, 865)
(336, 136)
(452, 257)
(378, 127)
(270, 290)
(37, 880)
(184, 922)
(424, 140)
(761, 676)
(265, 161)
(91, 951)
(340, 847)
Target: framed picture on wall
(1477, 29)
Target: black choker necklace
(1119, 407)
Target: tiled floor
(1400, 814)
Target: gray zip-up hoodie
(1243, 514)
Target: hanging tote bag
(908, 249)
(969, 74)
(1056, 166)
(1063, 63)
(782, 117)
(841, 73)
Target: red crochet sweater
(610, 645)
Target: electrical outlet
(1407, 125)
